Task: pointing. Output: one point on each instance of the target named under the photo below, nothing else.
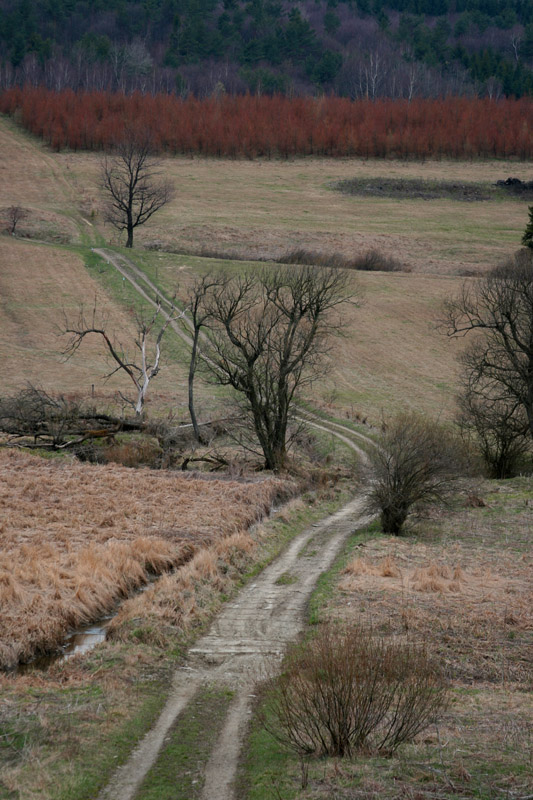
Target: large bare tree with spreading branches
(498, 365)
(268, 335)
(134, 188)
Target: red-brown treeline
(252, 126)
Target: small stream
(78, 641)
(83, 639)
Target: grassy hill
(391, 355)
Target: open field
(391, 348)
(75, 538)
(265, 208)
(37, 284)
(459, 583)
(262, 209)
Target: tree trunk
(129, 242)
(192, 370)
(392, 520)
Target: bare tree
(199, 315)
(14, 215)
(132, 182)
(416, 462)
(140, 368)
(497, 427)
(499, 308)
(268, 335)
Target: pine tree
(527, 238)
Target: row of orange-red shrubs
(261, 126)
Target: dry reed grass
(182, 599)
(471, 605)
(75, 538)
(461, 584)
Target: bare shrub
(348, 691)
(372, 260)
(498, 364)
(134, 453)
(497, 428)
(417, 462)
(36, 413)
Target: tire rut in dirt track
(135, 275)
(259, 623)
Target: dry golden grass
(39, 285)
(463, 586)
(460, 585)
(36, 284)
(393, 353)
(183, 598)
(471, 606)
(76, 538)
(266, 208)
(34, 177)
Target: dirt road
(265, 616)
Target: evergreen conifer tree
(527, 238)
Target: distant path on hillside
(260, 622)
(150, 292)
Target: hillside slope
(391, 355)
(399, 48)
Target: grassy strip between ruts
(65, 731)
(266, 771)
(179, 769)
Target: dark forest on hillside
(353, 48)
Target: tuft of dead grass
(182, 599)
(77, 538)
(470, 603)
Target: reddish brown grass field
(76, 538)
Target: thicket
(254, 126)
(348, 691)
(415, 463)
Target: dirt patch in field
(75, 538)
(433, 190)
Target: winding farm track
(149, 291)
(259, 623)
